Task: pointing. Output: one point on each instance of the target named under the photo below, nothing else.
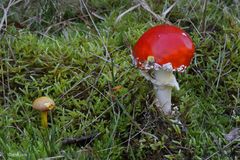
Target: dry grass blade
(99, 34)
(164, 14)
(52, 158)
(75, 85)
(3, 84)
(145, 6)
(5, 12)
(203, 26)
(125, 12)
(64, 23)
(98, 16)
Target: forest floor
(80, 56)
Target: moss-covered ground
(81, 59)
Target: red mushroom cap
(168, 46)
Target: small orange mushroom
(44, 104)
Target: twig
(80, 141)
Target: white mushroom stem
(163, 99)
(163, 83)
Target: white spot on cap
(184, 34)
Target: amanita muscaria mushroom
(163, 49)
(44, 104)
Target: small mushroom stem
(44, 119)
(165, 82)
